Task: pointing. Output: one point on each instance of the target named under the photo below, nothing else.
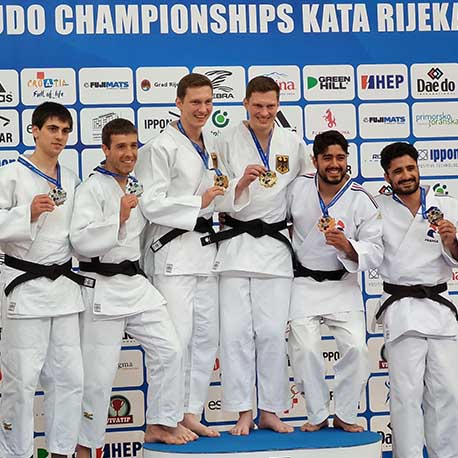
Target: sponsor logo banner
(130, 369)
(54, 84)
(378, 120)
(381, 424)
(158, 84)
(434, 81)
(435, 119)
(382, 82)
(126, 409)
(329, 82)
(9, 128)
(322, 117)
(9, 88)
(286, 76)
(104, 86)
(228, 82)
(8, 156)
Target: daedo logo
(380, 81)
(436, 83)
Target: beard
(397, 189)
(333, 180)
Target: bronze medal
(269, 179)
(134, 187)
(325, 223)
(221, 180)
(434, 215)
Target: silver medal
(58, 195)
(134, 187)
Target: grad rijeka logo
(119, 411)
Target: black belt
(108, 269)
(33, 270)
(203, 226)
(255, 227)
(418, 291)
(318, 275)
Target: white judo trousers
(191, 305)
(254, 314)
(50, 347)
(424, 396)
(351, 370)
(40, 337)
(101, 347)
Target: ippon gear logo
(119, 411)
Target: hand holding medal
(434, 215)
(269, 178)
(326, 223)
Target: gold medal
(221, 181)
(269, 179)
(325, 223)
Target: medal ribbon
(263, 155)
(104, 171)
(201, 152)
(324, 207)
(424, 211)
(56, 182)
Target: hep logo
(329, 118)
(435, 73)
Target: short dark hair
(395, 150)
(192, 80)
(262, 84)
(326, 139)
(118, 126)
(49, 110)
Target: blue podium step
(326, 443)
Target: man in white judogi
(105, 232)
(255, 264)
(41, 296)
(419, 320)
(337, 232)
(181, 195)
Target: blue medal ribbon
(263, 155)
(324, 207)
(424, 211)
(104, 171)
(201, 152)
(57, 182)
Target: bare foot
(309, 428)
(269, 420)
(349, 427)
(191, 422)
(244, 425)
(83, 452)
(177, 435)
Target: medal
(268, 179)
(434, 215)
(221, 181)
(57, 194)
(134, 187)
(325, 223)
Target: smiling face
(121, 156)
(195, 107)
(403, 175)
(331, 165)
(52, 138)
(262, 108)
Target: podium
(326, 443)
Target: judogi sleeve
(92, 232)
(305, 161)
(453, 218)
(155, 173)
(367, 240)
(15, 220)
